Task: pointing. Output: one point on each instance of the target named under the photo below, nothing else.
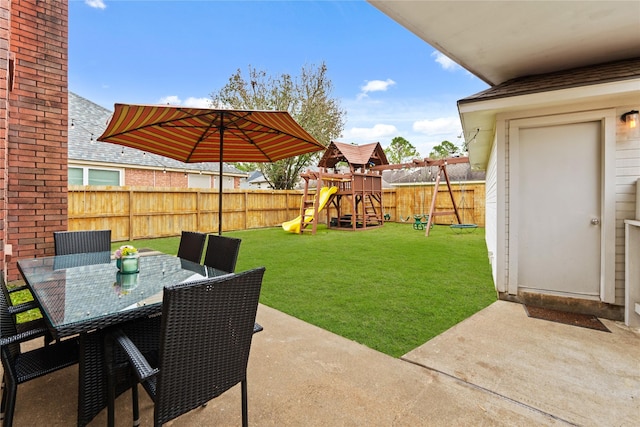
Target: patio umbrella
(194, 135)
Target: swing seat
(387, 217)
(420, 222)
(464, 226)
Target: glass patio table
(84, 294)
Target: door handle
(595, 221)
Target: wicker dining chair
(191, 246)
(15, 309)
(20, 367)
(222, 252)
(205, 338)
(74, 242)
(85, 241)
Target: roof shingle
(356, 155)
(576, 77)
(88, 120)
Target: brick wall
(36, 192)
(5, 23)
(154, 178)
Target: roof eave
(478, 117)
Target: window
(75, 176)
(104, 177)
(92, 176)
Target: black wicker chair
(20, 367)
(222, 252)
(14, 310)
(75, 242)
(191, 246)
(205, 338)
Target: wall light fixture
(632, 120)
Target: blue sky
(389, 82)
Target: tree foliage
(443, 150)
(306, 97)
(400, 151)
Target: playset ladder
(310, 199)
(370, 211)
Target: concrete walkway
(497, 368)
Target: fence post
(130, 214)
(198, 224)
(246, 209)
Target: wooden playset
(355, 196)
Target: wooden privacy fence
(146, 212)
(415, 199)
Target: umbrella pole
(220, 176)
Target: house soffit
(501, 40)
(478, 112)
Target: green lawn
(391, 288)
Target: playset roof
(355, 155)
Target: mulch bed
(575, 319)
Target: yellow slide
(293, 226)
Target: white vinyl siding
(491, 211)
(627, 176)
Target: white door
(558, 184)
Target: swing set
(420, 219)
(464, 226)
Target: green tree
(443, 150)
(400, 151)
(306, 97)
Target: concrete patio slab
(576, 375)
(301, 375)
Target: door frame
(607, 119)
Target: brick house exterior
(33, 128)
(88, 120)
(5, 22)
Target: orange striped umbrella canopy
(194, 135)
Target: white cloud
(170, 100)
(424, 122)
(375, 86)
(189, 102)
(197, 102)
(439, 126)
(433, 132)
(444, 61)
(97, 4)
(371, 134)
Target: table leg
(92, 390)
(92, 378)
